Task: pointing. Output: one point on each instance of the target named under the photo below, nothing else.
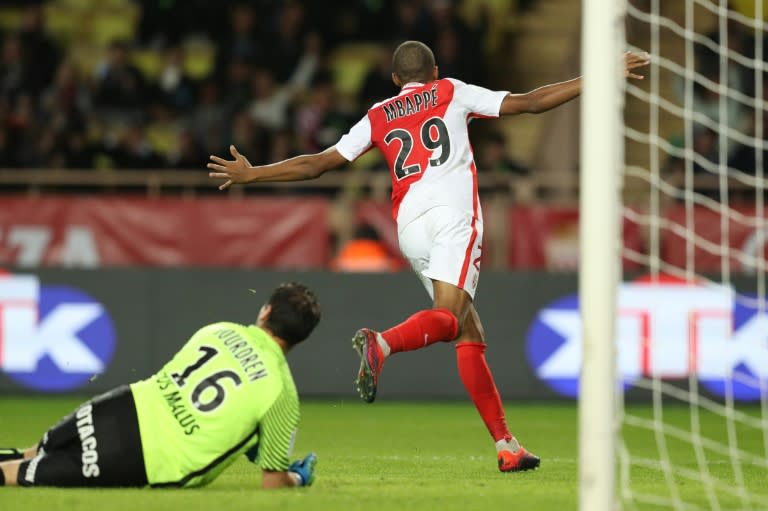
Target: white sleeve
(356, 141)
(476, 100)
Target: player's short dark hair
(295, 312)
(413, 61)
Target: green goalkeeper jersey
(227, 392)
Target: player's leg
(441, 322)
(479, 383)
(10, 461)
(421, 329)
(98, 445)
(453, 290)
(9, 472)
(60, 437)
(13, 454)
(57, 437)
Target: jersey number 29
(442, 141)
(211, 382)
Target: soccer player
(227, 392)
(422, 133)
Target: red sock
(422, 329)
(477, 379)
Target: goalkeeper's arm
(300, 473)
(273, 451)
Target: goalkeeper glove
(304, 469)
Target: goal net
(690, 321)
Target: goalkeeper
(227, 392)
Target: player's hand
(634, 60)
(305, 469)
(234, 171)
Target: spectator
(189, 153)
(413, 22)
(6, 154)
(365, 253)
(447, 54)
(270, 101)
(706, 148)
(281, 146)
(79, 153)
(493, 156)
(19, 125)
(378, 84)
(160, 22)
(168, 22)
(458, 43)
(119, 84)
(239, 83)
(744, 158)
(41, 55)
(48, 150)
(306, 67)
(268, 54)
(243, 41)
(706, 99)
(68, 97)
(13, 72)
(174, 90)
(320, 122)
(286, 44)
(133, 150)
(248, 133)
(376, 21)
(209, 121)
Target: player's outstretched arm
(300, 168)
(550, 96)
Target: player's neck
(280, 342)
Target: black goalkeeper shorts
(96, 445)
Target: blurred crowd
(271, 88)
(725, 127)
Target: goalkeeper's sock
(10, 454)
(478, 380)
(420, 330)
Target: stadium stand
(130, 96)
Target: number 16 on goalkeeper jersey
(227, 392)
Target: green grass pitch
(389, 456)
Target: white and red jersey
(422, 133)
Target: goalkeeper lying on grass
(227, 392)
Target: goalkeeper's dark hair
(295, 312)
(413, 61)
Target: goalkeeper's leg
(97, 445)
(10, 460)
(13, 454)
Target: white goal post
(601, 167)
(673, 397)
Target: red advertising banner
(739, 236)
(547, 237)
(120, 231)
